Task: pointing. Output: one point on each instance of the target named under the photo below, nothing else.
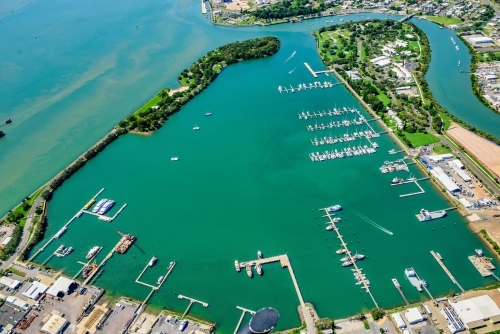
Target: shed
(6, 241)
(457, 163)
(35, 290)
(62, 285)
(55, 325)
(413, 316)
(440, 157)
(398, 320)
(444, 179)
(465, 203)
(11, 283)
(476, 309)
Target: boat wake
(292, 70)
(293, 54)
(371, 222)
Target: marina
(313, 85)
(102, 209)
(342, 139)
(358, 274)
(330, 112)
(333, 125)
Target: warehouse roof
(477, 308)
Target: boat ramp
(358, 274)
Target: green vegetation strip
(491, 241)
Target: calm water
(243, 183)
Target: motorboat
(153, 261)
(258, 267)
(249, 271)
(174, 158)
(259, 254)
(160, 280)
(237, 265)
(334, 208)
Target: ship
(412, 277)
(88, 270)
(60, 232)
(341, 251)
(334, 208)
(106, 206)
(125, 243)
(258, 267)
(425, 215)
(259, 254)
(171, 265)
(183, 325)
(92, 252)
(159, 280)
(89, 204)
(237, 265)
(249, 271)
(99, 205)
(153, 261)
(347, 264)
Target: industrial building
(413, 316)
(17, 303)
(398, 320)
(444, 179)
(465, 203)
(474, 312)
(55, 324)
(60, 287)
(35, 290)
(9, 282)
(454, 322)
(440, 157)
(480, 40)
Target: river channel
(243, 183)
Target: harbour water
(244, 182)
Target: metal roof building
(475, 311)
(413, 316)
(35, 290)
(55, 325)
(11, 283)
(62, 285)
(444, 179)
(398, 320)
(440, 157)
(454, 322)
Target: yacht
(336, 220)
(439, 256)
(171, 265)
(249, 271)
(347, 264)
(183, 325)
(237, 265)
(341, 251)
(60, 232)
(334, 208)
(174, 158)
(99, 205)
(153, 261)
(68, 251)
(105, 208)
(258, 267)
(259, 254)
(357, 257)
(159, 280)
(92, 252)
(425, 215)
(208, 113)
(344, 259)
(329, 227)
(196, 127)
(412, 277)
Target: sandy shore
(180, 89)
(484, 150)
(149, 133)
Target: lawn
(153, 102)
(441, 149)
(384, 98)
(420, 139)
(363, 53)
(446, 120)
(444, 20)
(413, 46)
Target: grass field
(446, 121)
(444, 20)
(363, 53)
(384, 98)
(420, 139)
(441, 149)
(154, 101)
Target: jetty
(303, 86)
(358, 271)
(329, 112)
(483, 265)
(99, 266)
(203, 7)
(104, 217)
(55, 236)
(191, 302)
(415, 181)
(86, 264)
(285, 263)
(244, 310)
(424, 286)
(315, 73)
(398, 287)
(446, 270)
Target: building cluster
(487, 74)
(393, 55)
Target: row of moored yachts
(334, 112)
(337, 124)
(346, 152)
(345, 138)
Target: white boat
(347, 264)
(92, 252)
(105, 208)
(174, 158)
(425, 215)
(259, 254)
(412, 277)
(341, 251)
(159, 280)
(258, 267)
(456, 47)
(99, 205)
(171, 265)
(336, 220)
(334, 208)
(237, 265)
(183, 325)
(60, 232)
(208, 113)
(196, 127)
(329, 227)
(249, 271)
(153, 261)
(439, 256)
(479, 252)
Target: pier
(244, 310)
(358, 271)
(412, 180)
(483, 265)
(285, 263)
(65, 225)
(154, 287)
(315, 85)
(423, 286)
(191, 302)
(447, 271)
(103, 262)
(398, 287)
(329, 112)
(315, 73)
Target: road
(26, 234)
(310, 328)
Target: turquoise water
(243, 183)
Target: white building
(61, 286)
(55, 325)
(413, 316)
(35, 290)
(17, 303)
(398, 320)
(393, 115)
(9, 282)
(465, 203)
(475, 311)
(444, 179)
(381, 61)
(480, 40)
(440, 157)
(6, 241)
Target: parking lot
(123, 312)
(170, 324)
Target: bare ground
(484, 150)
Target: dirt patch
(180, 89)
(488, 223)
(237, 4)
(484, 150)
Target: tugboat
(258, 267)
(153, 261)
(249, 271)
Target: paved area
(123, 312)
(10, 315)
(172, 326)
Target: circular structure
(264, 320)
